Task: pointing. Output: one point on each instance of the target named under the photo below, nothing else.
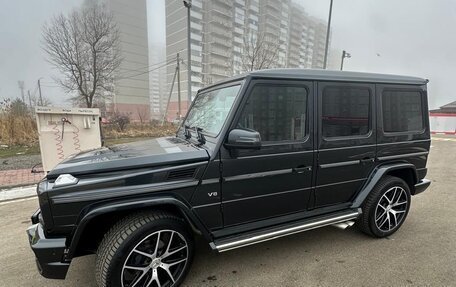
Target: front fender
(376, 175)
(133, 204)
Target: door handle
(302, 169)
(367, 160)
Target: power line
(146, 72)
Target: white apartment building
(157, 81)
(220, 30)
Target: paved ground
(422, 253)
(20, 162)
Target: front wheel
(386, 207)
(145, 249)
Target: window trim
(370, 112)
(303, 84)
(414, 132)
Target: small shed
(443, 120)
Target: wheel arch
(405, 171)
(97, 220)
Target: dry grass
(17, 130)
(152, 130)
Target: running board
(263, 235)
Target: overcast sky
(411, 37)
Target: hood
(150, 153)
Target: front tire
(145, 249)
(386, 207)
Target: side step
(258, 236)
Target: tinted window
(277, 112)
(402, 111)
(345, 111)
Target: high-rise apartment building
(222, 29)
(157, 80)
(131, 94)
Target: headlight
(65, 179)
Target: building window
(402, 111)
(345, 111)
(277, 112)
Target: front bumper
(49, 252)
(421, 186)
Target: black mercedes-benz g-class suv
(258, 156)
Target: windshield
(211, 109)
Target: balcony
(221, 31)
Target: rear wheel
(145, 249)
(386, 207)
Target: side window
(277, 112)
(402, 111)
(345, 111)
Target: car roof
(328, 75)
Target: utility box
(63, 132)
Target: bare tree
(85, 47)
(260, 52)
(142, 113)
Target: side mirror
(243, 139)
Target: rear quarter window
(402, 111)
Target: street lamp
(188, 5)
(328, 30)
(344, 55)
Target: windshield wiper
(201, 138)
(187, 133)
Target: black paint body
(223, 192)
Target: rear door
(403, 125)
(276, 179)
(346, 141)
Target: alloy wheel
(391, 209)
(158, 260)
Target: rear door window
(345, 111)
(402, 111)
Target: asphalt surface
(20, 162)
(421, 253)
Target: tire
(386, 208)
(143, 248)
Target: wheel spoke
(156, 245)
(153, 279)
(394, 195)
(395, 218)
(144, 253)
(381, 206)
(166, 267)
(398, 203)
(399, 197)
(176, 262)
(135, 268)
(380, 216)
(140, 277)
(169, 242)
(389, 222)
(383, 222)
(167, 254)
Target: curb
(17, 193)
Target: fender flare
(376, 175)
(132, 204)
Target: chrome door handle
(302, 169)
(367, 160)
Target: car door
(346, 140)
(277, 178)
